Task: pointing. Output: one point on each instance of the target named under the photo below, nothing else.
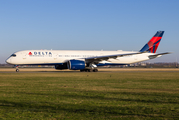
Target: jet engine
(76, 64)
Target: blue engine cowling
(76, 64)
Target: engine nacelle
(61, 67)
(76, 64)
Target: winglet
(153, 44)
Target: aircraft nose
(8, 61)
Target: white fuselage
(61, 56)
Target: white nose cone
(8, 61)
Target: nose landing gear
(17, 68)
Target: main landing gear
(89, 70)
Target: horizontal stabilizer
(160, 54)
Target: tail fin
(153, 44)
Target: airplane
(87, 61)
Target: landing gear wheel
(17, 70)
(86, 70)
(95, 70)
(82, 70)
(89, 70)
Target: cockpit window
(13, 55)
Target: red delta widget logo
(30, 53)
(40, 54)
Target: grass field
(124, 94)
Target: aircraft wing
(100, 58)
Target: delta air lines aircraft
(86, 60)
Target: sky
(88, 25)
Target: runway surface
(2, 70)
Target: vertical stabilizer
(153, 44)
